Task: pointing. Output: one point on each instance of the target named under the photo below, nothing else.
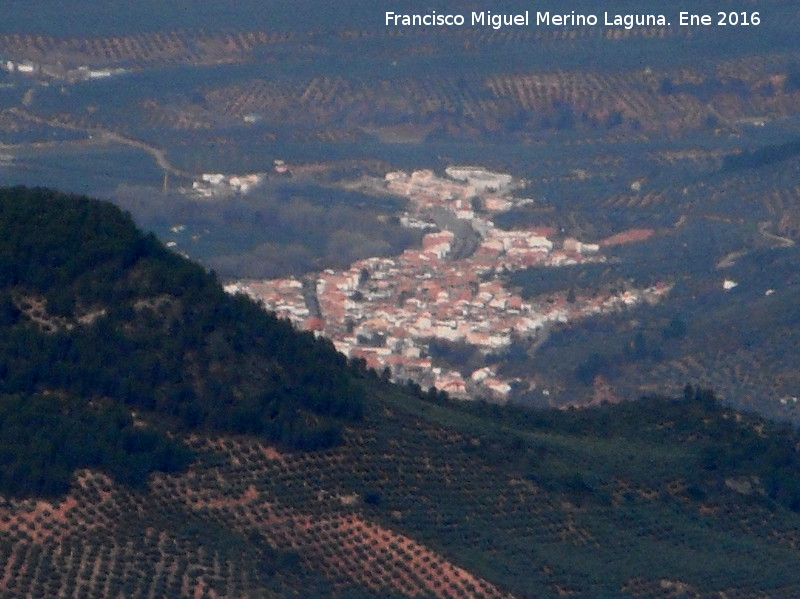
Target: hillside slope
(98, 316)
(404, 494)
(428, 500)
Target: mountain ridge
(97, 312)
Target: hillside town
(387, 311)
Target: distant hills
(159, 438)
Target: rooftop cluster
(388, 310)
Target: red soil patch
(346, 544)
(628, 236)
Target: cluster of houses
(388, 311)
(216, 184)
(58, 71)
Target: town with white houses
(57, 71)
(387, 311)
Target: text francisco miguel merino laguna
(487, 18)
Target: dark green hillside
(95, 314)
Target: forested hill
(99, 321)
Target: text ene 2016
(722, 19)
